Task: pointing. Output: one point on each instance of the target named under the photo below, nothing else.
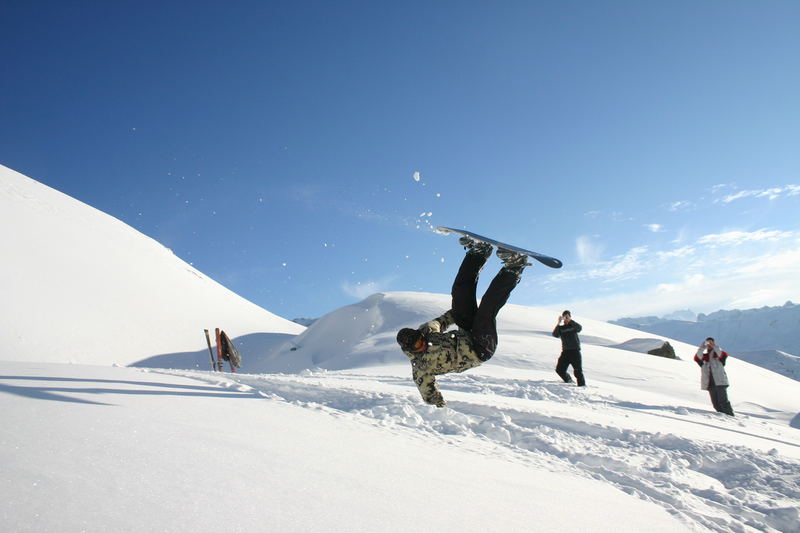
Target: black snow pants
(571, 357)
(719, 397)
(480, 320)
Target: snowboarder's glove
(430, 327)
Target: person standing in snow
(433, 351)
(567, 330)
(713, 377)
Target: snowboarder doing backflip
(434, 351)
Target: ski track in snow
(709, 486)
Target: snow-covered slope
(80, 286)
(326, 430)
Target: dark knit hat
(406, 338)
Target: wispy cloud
(734, 269)
(680, 205)
(615, 216)
(678, 253)
(733, 238)
(640, 260)
(688, 282)
(772, 193)
(589, 251)
(627, 266)
(712, 289)
(655, 228)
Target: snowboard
(552, 262)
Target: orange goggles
(419, 344)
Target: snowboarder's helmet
(406, 338)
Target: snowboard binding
(513, 261)
(472, 246)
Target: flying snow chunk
(416, 175)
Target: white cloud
(784, 259)
(627, 266)
(757, 274)
(678, 253)
(680, 205)
(772, 193)
(655, 228)
(733, 238)
(588, 250)
(736, 196)
(688, 282)
(698, 292)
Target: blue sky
(653, 147)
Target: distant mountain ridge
(766, 336)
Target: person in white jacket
(713, 377)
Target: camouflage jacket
(446, 353)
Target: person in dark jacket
(567, 330)
(713, 377)
(433, 351)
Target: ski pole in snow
(210, 352)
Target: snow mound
(363, 335)
(358, 335)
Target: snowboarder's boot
(513, 261)
(472, 246)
